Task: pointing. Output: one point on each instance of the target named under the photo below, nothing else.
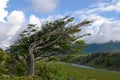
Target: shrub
(53, 58)
(3, 58)
(49, 71)
(20, 78)
(15, 68)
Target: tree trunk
(31, 64)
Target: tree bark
(31, 64)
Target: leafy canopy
(55, 37)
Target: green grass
(76, 73)
(87, 74)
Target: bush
(20, 78)
(49, 71)
(53, 58)
(3, 58)
(15, 68)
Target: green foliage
(53, 38)
(53, 58)
(71, 72)
(50, 71)
(67, 41)
(70, 58)
(1, 56)
(15, 68)
(20, 78)
(106, 60)
(3, 59)
(10, 66)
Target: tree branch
(45, 56)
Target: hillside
(78, 73)
(102, 60)
(104, 47)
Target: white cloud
(97, 22)
(35, 20)
(4, 27)
(3, 12)
(4, 44)
(105, 33)
(10, 27)
(97, 19)
(103, 29)
(108, 6)
(45, 5)
(100, 7)
(4, 30)
(16, 19)
(112, 7)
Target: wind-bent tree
(53, 38)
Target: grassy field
(76, 73)
(86, 74)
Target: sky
(16, 14)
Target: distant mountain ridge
(104, 47)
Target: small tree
(53, 38)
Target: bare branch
(45, 56)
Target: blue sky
(16, 14)
(62, 7)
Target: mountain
(104, 47)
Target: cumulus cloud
(35, 20)
(107, 32)
(15, 22)
(103, 29)
(10, 27)
(16, 19)
(45, 5)
(4, 44)
(4, 30)
(97, 19)
(4, 27)
(3, 12)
